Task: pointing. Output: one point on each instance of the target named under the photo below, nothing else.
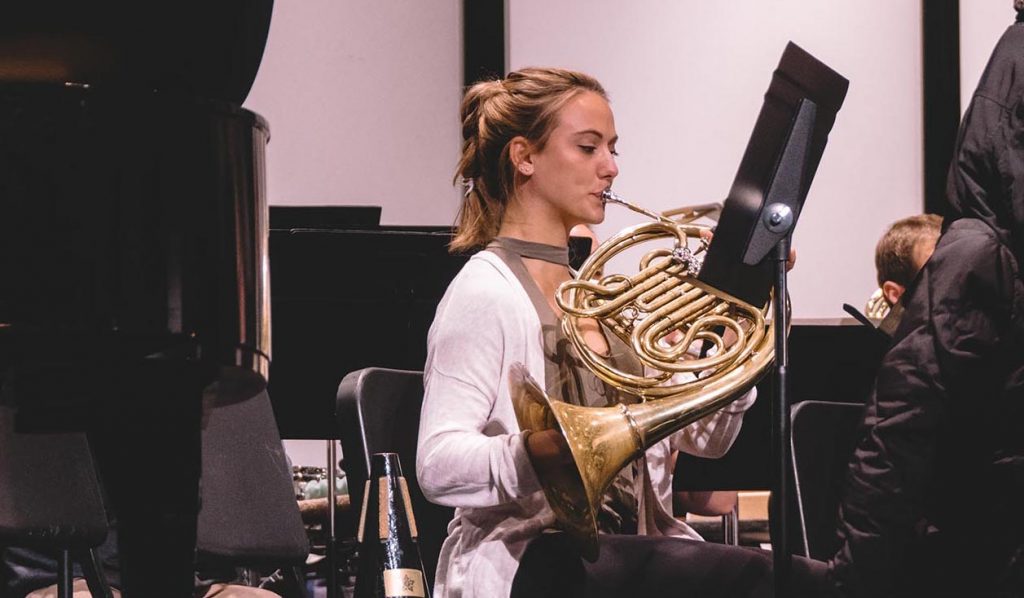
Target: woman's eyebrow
(596, 133)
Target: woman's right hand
(548, 450)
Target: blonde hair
(524, 104)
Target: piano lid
(208, 49)
(324, 217)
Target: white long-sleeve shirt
(471, 453)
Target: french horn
(661, 312)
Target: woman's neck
(528, 224)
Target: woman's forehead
(586, 113)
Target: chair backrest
(378, 411)
(50, 501)
(49, 493)
(824, 435)
(248, 514)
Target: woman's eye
(614, 152)
(588, 149)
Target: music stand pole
(780, 407)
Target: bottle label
(404, 582)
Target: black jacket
(934, 499)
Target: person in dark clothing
(932, 503)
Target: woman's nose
(609, 168)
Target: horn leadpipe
(610, 197)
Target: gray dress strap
(567, 379)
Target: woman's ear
(520, 152)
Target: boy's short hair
(894, 254)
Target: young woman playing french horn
(539, 150)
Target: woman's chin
(595, 216)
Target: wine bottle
(389, 552)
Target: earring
(526, 169)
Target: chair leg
(731, 527)
(247, 576)
(293, 582)
(299, 579)
(64, 578)
(94, 577)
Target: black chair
(248, 516)
(824, 435)
(378, 411)
(50, 500)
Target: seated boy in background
(899, 256)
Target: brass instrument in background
(644, 310)
(877, 306)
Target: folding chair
(824, 435)
(248, 516)
(378, 411)
(50, 500)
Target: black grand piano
(347, 294)
(132, 255)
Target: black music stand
(758, 219)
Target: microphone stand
(333, 590)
